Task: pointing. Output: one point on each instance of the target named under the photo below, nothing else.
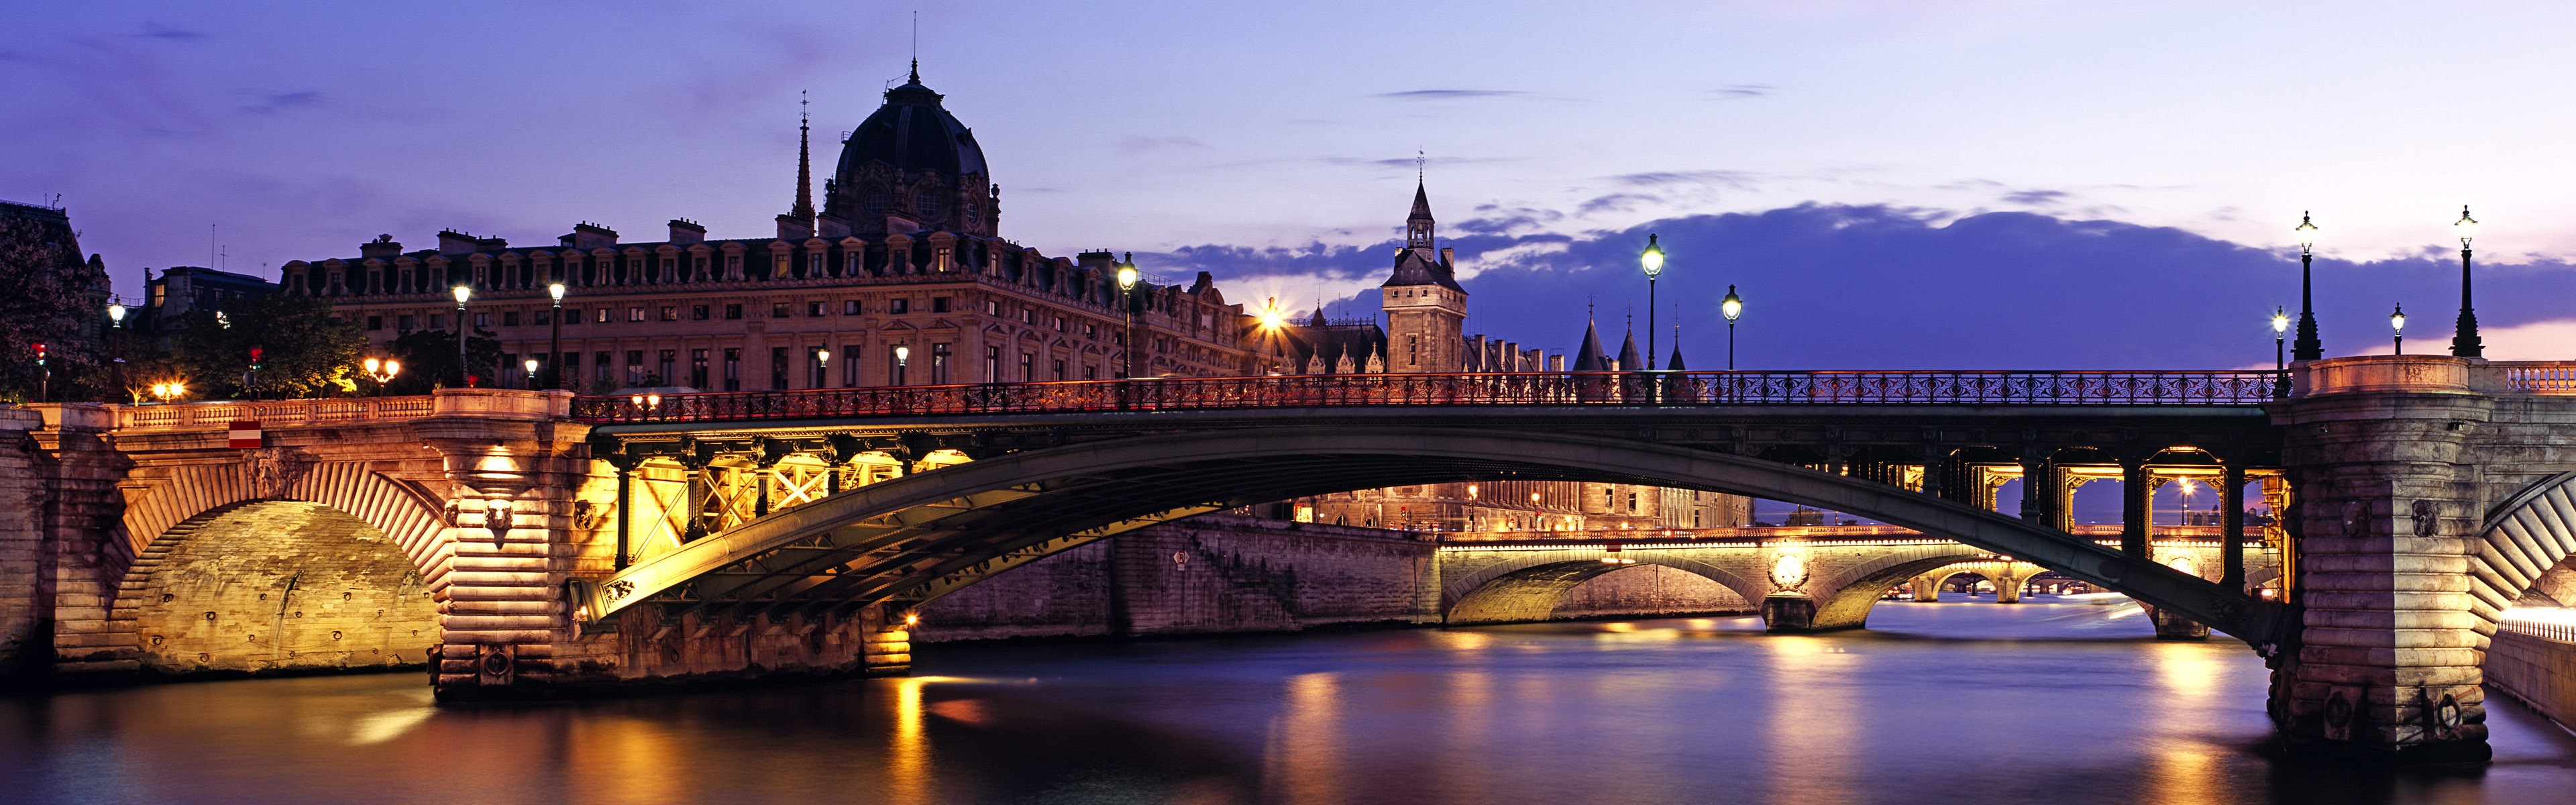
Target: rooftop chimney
(587, 235)
(685, 231)
(382, 246)
(453, 242)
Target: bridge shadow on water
(1959, 701)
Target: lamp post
(1127, 305)
(554, 341)
(2397, 328)
(2308, 347)
(2464, 342)
(2280, 368)
(822, 367)
(116, 343)
(902, 365)
(1653, 259)
(530, 365)
(462, 293)
(382, 370)
(1732, 306)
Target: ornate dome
(911, 132)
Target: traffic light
(255, 353)
(40, 353)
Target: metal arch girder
(951, 580)
(841, 545)
(1541, 450)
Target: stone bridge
(543, 543)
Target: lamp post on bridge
(116, 344)
(1732, 306)
(462, 293)
(2397, 328)
(1653, 259)
(554, 340)
(2464, 342)
(2308, 347)
(1127, 306)
(2280, 368)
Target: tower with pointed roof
(799, 220)
(1426, 310)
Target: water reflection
(1938, 702)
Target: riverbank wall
(1224, 573)
(2536, 670)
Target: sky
(1972, 184)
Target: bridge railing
(2203, 388)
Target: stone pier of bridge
(497, 537)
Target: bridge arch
(2523, 540)
(406, 514)
(879, 541)
(1529, 585)
(273, 585)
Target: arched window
(927, 204)
(876, 203)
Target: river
(1952, 702)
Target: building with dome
(902, 278)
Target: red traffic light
(40, 351)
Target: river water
(1950, 702)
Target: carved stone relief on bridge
(274, 469)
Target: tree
(429, 360)
(52, 297)
(302, 350)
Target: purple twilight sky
(1974, 184)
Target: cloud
(1733, 92)
(270, 102)
(1736, 179)
(1615, 202)
(1885, 287)
(1138, 145)
(2036, 198)
(155, 30)
(1450, 94)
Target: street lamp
(2308, 348)
(116, 342)
(1653, 259)
(168, 391)
(1127, 305)
(382, 371)
(822, 366)
(2397, 328)
(2464, 343)
(462, 293)
(1732, 306)
(2280, 368)
(554, 341)
(902, 365)
(531, 365)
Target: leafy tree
(429, 360)
(303, 350)
(51, 297)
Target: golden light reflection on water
(630, 760)
(1468, 730)
(908, 768)
(1304, 759)
(1812, 717)
(2185, 763)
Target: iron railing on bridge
(2202, 388)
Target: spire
(916, 70)
(1676, 364)
(1628, 358)
(804, 208)
(1588, 357)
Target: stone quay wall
(1223, 573)
(2536, 670)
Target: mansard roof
(1417, 267)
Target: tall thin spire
(804, 208)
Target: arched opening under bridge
(269, 586)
